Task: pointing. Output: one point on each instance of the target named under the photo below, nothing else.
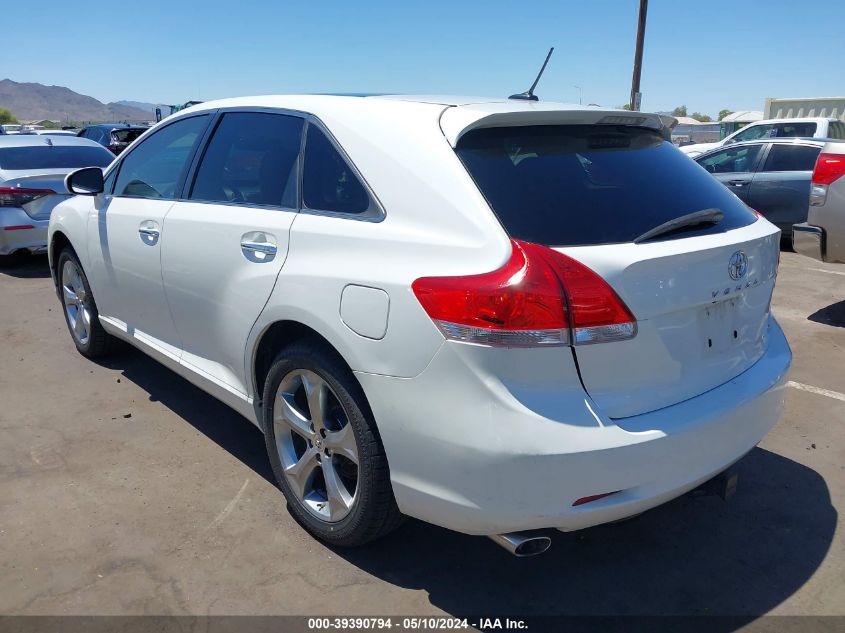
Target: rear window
(53, 157)
(585, 185)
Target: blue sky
(707, 55)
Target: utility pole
(638, 57)
(580, 94)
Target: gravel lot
(125, 490)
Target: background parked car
(32, 167)
(771, 176)
(46, 132)
(810, 127)
(114, 136)
(823, 235)
(11, 128)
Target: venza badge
(738, 265)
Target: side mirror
(85, 182)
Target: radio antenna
(529, 95)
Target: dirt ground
(125, 490)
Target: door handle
(259, 247)
(149, 232)
(738, 183)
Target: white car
(492, 315)
(807, 127)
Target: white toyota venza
(494, 315)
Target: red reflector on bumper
(18, 227)
(584, 500)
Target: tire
(96, 342)
(345, 518)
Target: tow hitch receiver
(722, 485)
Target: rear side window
(252, 158)
(791, 158)
(790, 130)
(584, 185)
(154, 168)
(836, 130)
(328, 182)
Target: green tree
(724, 113)
(626, 106)
(704, 118)
(680, 111)
(6, 116)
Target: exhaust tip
(523, 544)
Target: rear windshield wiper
(698, 218)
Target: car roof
(456, 114)
(40, 140)
(803, 119)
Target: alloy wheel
(76, 302)
(316, 445)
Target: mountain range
(36, 102)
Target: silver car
(822, 236)
(32, 169)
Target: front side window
(791, 158)
(155, 167)
(251, 158)
(753, 132)
(328, 182)
(730, 161)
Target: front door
(733, 167)
(125, 236)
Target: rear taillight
(829, 168)
(539, 297)
(18, 196)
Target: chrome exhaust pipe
(522, 544)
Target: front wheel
(325, 449)
(80, 310)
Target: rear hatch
(700, 289)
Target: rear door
(227, 239)
(781, 187)
(734, 166)
(700, 294)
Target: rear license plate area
(720, 324)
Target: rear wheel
(325, 449)
(80, 310)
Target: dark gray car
(771, 176)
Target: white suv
(808, 127)
(495, 316)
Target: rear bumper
(481, 454)
(14, 239)
(808, 240)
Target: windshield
(575, 185)
(53, 156)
